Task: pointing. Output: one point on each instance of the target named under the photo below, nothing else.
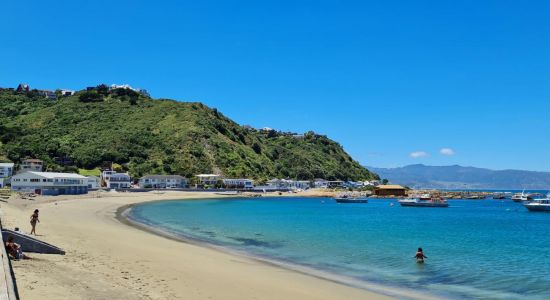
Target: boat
(499, 196)
(423, 202)
(521, 197)
(541, 204)
(351, 199)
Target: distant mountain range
(459, 177)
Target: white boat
(351, 199)
(521, 197)
(423, 202)
(542, 204)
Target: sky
(394, 82)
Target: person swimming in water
(420, 256)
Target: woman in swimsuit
(420, 256)
(34, 220)
(14, 249)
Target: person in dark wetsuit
(420, 256)
(34, 220)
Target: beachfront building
(49, 183)
(289, 184)
(391, 190)
(94, 182)
(32, 164)
(6, 171)
(113, 180)
(208, 179)
(320, 183)
(238, 183)
(335, 184)
(162, 182)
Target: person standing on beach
(34, 220)
(420, 256)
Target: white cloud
(447, 152)
(419, 154)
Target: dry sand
(107, 259)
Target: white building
(208, 179)
(113, 180)
(67, 92)
(47, 94)
(94, 182)
(32, 164)
(162, 181)
(289, 184)
(6, 171)
(320, 183)
(239, 183)
(49, 183)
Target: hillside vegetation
(96, 128)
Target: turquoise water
(476, 249)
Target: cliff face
(147, 136)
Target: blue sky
(389, 80)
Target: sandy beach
(109, 259)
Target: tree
(385, 181)
(90, 96)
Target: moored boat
(351, 199)
(422, 202)
(542, 204)
(521, 197)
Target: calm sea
(476, 249)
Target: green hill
(145, 136)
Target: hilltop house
(163, 181)
(48, 94)
(6, 171)
(113, 180)
(208, 179)
(48, 183)
(23, 87)
(66, 93)
(144, 92)
(32, 164)
(239, 183)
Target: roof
(32, 160)
(53, 175)
(208, 175)
(119, 175)
(163, 177)
(390, 187)
(7, 165)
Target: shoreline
(123, 216)
(106, 257)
